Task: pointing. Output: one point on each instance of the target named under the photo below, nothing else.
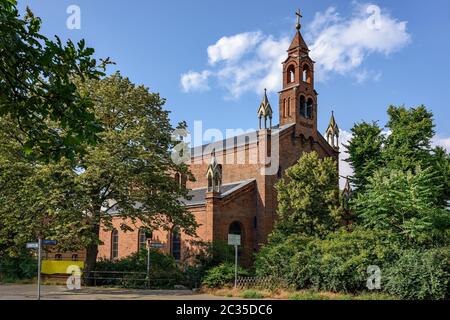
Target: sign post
(39, 268)
(235, 240)
(151, 244)
(148, 258)
(38, 245)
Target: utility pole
(39, 268)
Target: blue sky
(155, 43)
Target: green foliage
(409, 143)
(69, 200)
(37, 87)
(209, 255)
(337, 263)
(163, 271)
(308, 197)
(404, 203)
(419, 274)
(364, 152)
(222, 275)
(22, 266)
(252, 294)
(406, 148)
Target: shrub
(23, 266)
(164, 272)
(337, 263)
(419, 274)
(252, 294)
(222, 275)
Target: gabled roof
(264, 108)
(297, 42)
(239, 140)
(198, 196)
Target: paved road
(28, 292)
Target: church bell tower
(298, 99)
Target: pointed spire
(347, 188)
(298, 41)
(265, 110)
(333, 123)
(332, 133)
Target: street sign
(49, 242)
(156, 245)
(234, 239)
(32, 245)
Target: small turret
(332, 133)
(265, 111)
(214, 174)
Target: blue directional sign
(49, 242)
(32, 245)
(156, 245)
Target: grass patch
(252, 294)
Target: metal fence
(268, 283)
(125, 279)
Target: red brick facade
(247, 196)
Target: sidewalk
(29, 292)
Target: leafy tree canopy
(37, 87)
(308, 197)
(129, 174)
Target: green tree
(308, 197)
(365, 152)
(409, 142)
(36, 86)
(129, 174)
(404, 203)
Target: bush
(211, 254)
(252, 294)
(222, 275)
(164, 272)
(419, 274)
(337, 263)
(23, 266)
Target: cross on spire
(299, 15)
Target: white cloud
(195, 81)
(344, 138)
(344, 167)
(232, 48)
(251, 61)
(442, 142)
(341, 45)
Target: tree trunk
(91, 257)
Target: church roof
(198, 196)
(236, 141)
(333, 124)
(264, 108)
(298, 42)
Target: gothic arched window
(290, 74)
(235, 228)
(175, 243)
(143, 235)
(302, 106)
(306, 75)
(114, 244)
(309, 108)
(210, 183)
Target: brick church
(234, 183)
